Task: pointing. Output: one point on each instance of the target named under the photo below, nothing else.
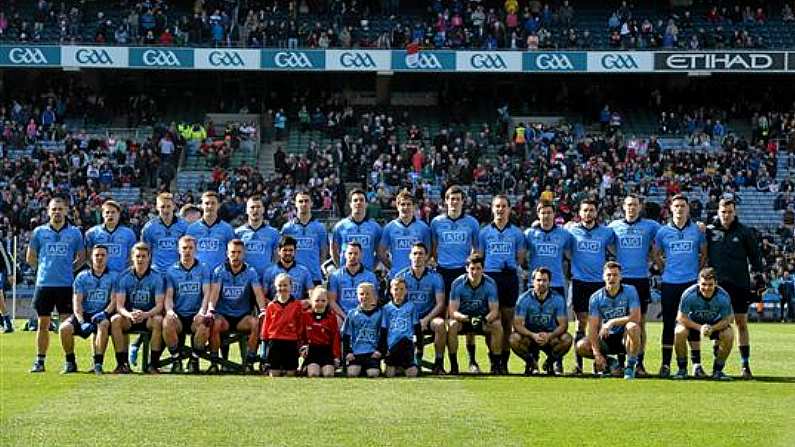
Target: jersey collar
(228, 267)
(359, 270)
(400, 222)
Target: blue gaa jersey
(633, 242)
(163, 240)
(398, 238)
(705, 311)
(140, 292)
(473, 301)
(422, 291)
(500, 246)
(300, 276)
(119, 242)
(399, 322)
(96, 290)
(547, 249)
(187, 286)
(211, 241)
(589, 251)
(367, 233)
(682, 248)
(311, 239)
(236, 290)
(607, 307)
(454, 239)
(363, 329)
(541, 316)
(260, 245)
(344, 284)
(55, 251)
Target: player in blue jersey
(211, 233)
(401, 324)
(139, 302)
(547, 246)
(705, 310)
(591, 244)
(187, 289)
(260, 238)
(680, 249)
(342, 284)
(92, 305)
(614, 326)
(190, 213)
(310, 235)
(474, 308)
(356, 228)
(455, 236)
(503, 247)
(163, 232)
(400, 234)
(634, 241)
(56, 250)
(425, 288)
(118, 239)
(301, 283)
(541, 324)
(235, 290)
(363, 340)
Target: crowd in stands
(511, 24)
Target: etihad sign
(724, 61)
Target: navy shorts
(233, 322)
(401, 355)
(507, 286)
(47, 299)
(695, 335)
(366, 361)
(77, 327)
(740, 296)
(613, 344)
(581, 292)
(187, 323)
(448, 276)
(643, 286)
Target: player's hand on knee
(600, 362)
(376, 355)
(349, 358)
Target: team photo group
(366, 300)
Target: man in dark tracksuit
(732, 247)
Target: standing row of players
(681, 246)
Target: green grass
(81, 409)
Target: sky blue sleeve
(593, 306)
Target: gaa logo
(28, 56)
(226, 59)
(424, 61)
(356, 60)
(554, 62)
(97, 57)
(160, 58)
(618, 62)
(488, 62)
(290, 59)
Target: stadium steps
(127, 195)
(265, 164)
(756, 209)
(190, 180)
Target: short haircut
(397, 280)
(356, 191)
(707, 273)
(475, 258)
(57, 199)
(420, 245)
(189, 208)
(544, 204)
(610, 265)
(727, 202)
(188, 238)
(679, 196)
(256, 198)
(501, 197)
(302, 192)
(99, 247)
(236, 243)
(543, 271)
(634, 196)
(141, 246)
(213, 194)
(287, 241)
(404, 195)
(164, 196)
(453, 189)
(589, 201)
(366, 286)
(112, 203)
(317, 291)
(354, 244)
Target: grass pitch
(81, 409)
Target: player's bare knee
(411, 372)
(373, 372)
(354, 371)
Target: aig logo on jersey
(630, 242)
(416, 297)
(680, 246)
(589, 246)
(454, 237)
(615, 312)
(232, 292)
(540, 320)
(500, 248)
(546, 250)
(57, 249)
(362, 239)
(190, 288)
(255, 247)
(114, 250)
(97, 296)
(304, 243)
(404, 243)
(167, 244)
(140, 298)
(208, 244)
